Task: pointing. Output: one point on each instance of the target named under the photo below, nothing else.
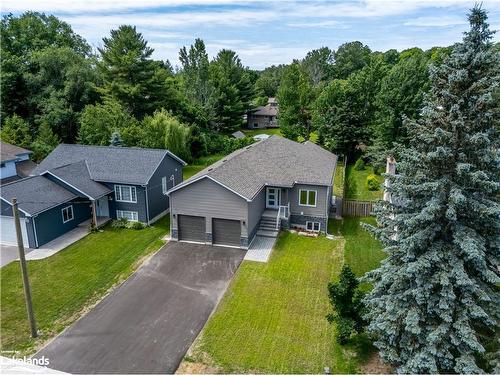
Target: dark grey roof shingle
(36, 194)
(275, 161)
(77, 175)
(127, 165)
(11, 152)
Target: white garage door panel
(8, 231)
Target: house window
(307, 198)
(255, 125)
(313, 226)
(164, 185)
(67, 214)
(128, 215)
(125, 193)
(2, 165)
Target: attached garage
(226, 232)
(191, 228)
(8, 231)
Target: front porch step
(267, 233)
(267, 226)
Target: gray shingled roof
(275, 161)
(266, 110)
(77, 175)
(36, 194)
(127, 165)
(11, 152)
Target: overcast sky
(265, 32)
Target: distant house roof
(275, 161)
(77, 176)
(25, 167)
(266, 110)
(238, 134)
(36, 194)
(129, 165)
(10, 152)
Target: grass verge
(65, 284)
(356, 184)
(272, 318)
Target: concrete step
(268, 226)
(267, 233)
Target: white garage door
(8, 231)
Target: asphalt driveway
(147, 324)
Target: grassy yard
(356, 185)
(272, 318)
(64, 284)
(199, 164)
(338, 182)
(361, 251)
(252, 132)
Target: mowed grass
(272, 318)
(338, 182)
(356, 184)
(362, 251)
(253, 132)
(199, 164)
(65, 283)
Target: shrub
(119, 223)
(372, 183)
(359, 165)
(348, 309)
(135, 225)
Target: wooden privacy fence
(356, 208)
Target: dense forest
(56, 88)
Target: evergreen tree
(233, 91)
(346, 300)
(295, 98)
(435, 299)
(116, 139)
(130, 75)
(45, 142)
(16, 131)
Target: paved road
(148, 323)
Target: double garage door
(224, 231)
(8, 231)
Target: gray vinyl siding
(255, 210)
(321, 201)
(49, 224)
(157, 201)
(209, 199)
(139, 207)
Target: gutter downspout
(34, 231)
(147, 204)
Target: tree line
(55, 88)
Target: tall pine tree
(435, 298)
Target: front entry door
(273, 197)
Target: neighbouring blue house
(15, 163)
(77, 183)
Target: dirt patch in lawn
(374, 365)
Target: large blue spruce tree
(435, 298)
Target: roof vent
(224, 160)
(210, 169)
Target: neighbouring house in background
(76, 184)
(255, 191)
(15, 163)
(264, 117)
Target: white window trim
(118, 193)
(120, 213)
(315, 198)
(70, 207)
(312, 226)
(164, 187)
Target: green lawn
(361, 251)
(252, 132)
(200, 164)
(338, 182)
(272, 318)
(356, 185)
(64, 284)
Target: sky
(267, 32)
